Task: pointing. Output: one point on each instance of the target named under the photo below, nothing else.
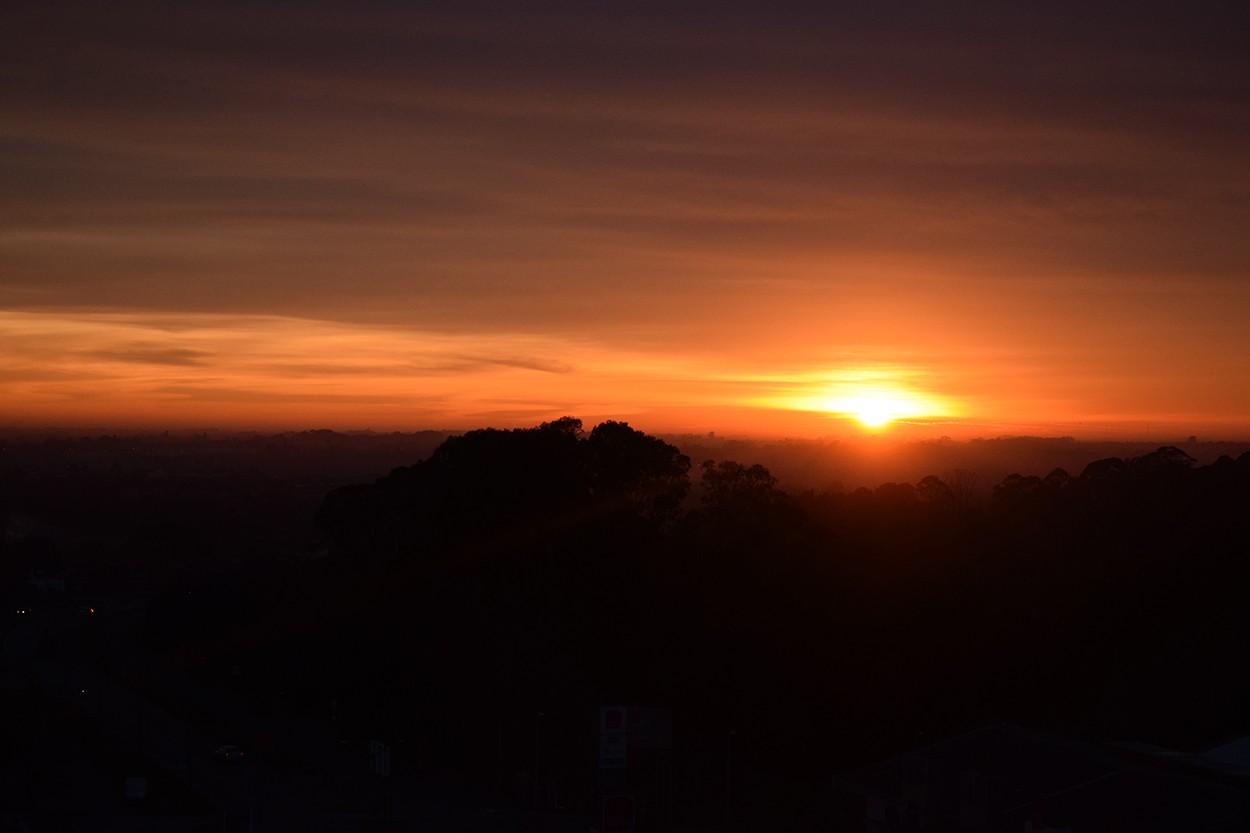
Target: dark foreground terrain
(560, 627)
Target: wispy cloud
(143, 354)
(440, 206)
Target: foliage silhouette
(490, 491)
(554, 570)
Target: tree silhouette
(646, 474)
(732, 488)
(499, 490)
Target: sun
(876, 407)
(875, 410)
(872, 412)
(873, 398)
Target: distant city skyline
(905, 219)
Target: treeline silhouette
(548, 571)
(478, 607)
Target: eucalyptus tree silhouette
(499, 490)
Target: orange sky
(736, 219)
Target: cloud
(547, 200)
(143, 354)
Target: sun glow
(872, 412)
(873, 397)
(138, 369)
(877, 409)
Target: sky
(809, 219)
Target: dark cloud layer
(639, 175)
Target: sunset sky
(963, 218)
